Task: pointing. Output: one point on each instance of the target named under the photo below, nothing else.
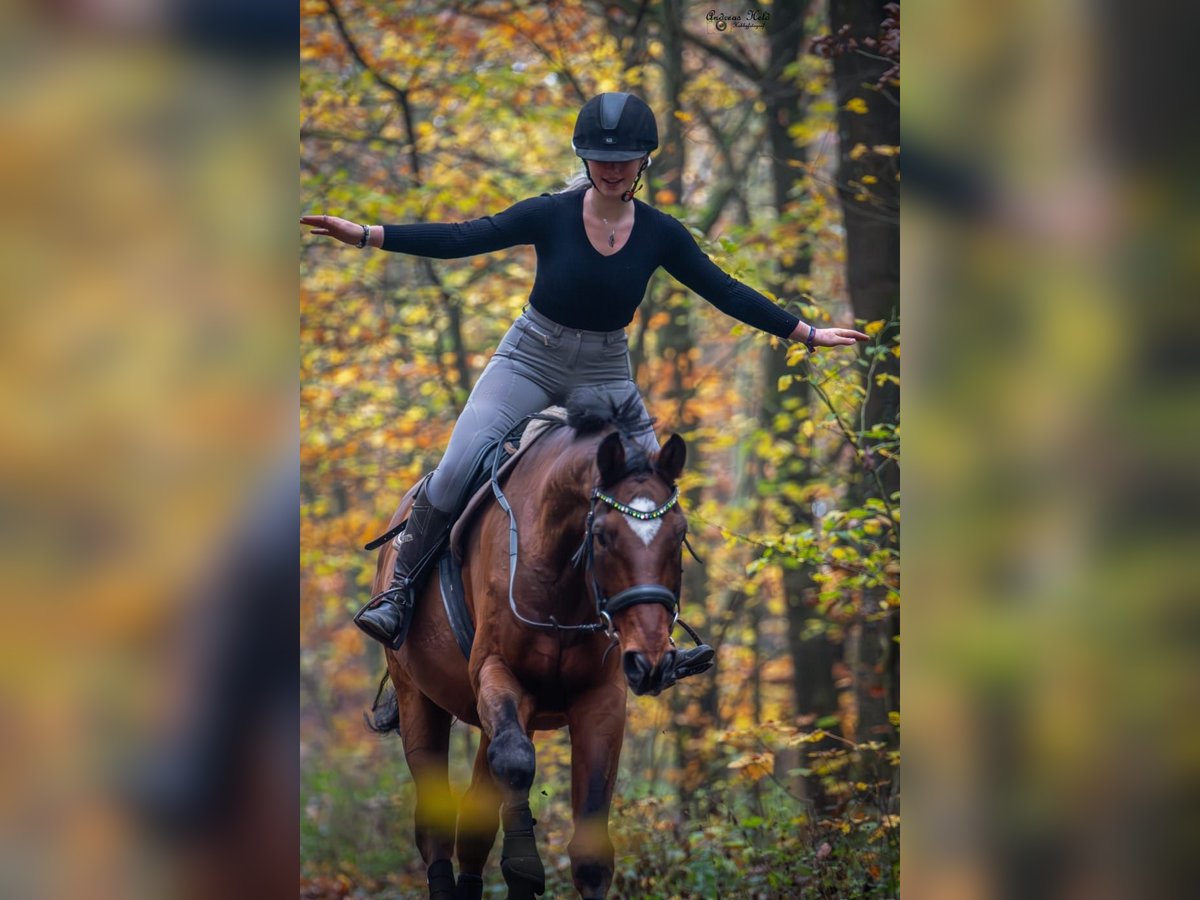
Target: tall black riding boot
(389, 613)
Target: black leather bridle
(606, 607)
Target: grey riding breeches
(537, 364)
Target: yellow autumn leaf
(755, 765)
(869, 179)
(856, 105)
(785, 382)
(873, 328)
(886, 149)
(683, 116)
(858, 152)
(808, 429)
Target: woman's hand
(828, 337)
(342, 229)
(834, 337)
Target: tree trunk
(871, 214)
(812, 658)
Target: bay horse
(542, 656)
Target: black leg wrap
(519, 861)
(441, 880)
(470, 887)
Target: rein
(553, 624)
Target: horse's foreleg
(425, 730)
(478, 820)
(504, 711)
(597, 723)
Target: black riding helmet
(615, 127)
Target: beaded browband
(642, 515)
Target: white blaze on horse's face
(646, 529)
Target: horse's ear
(671, 458)
(610, 459)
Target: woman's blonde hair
(576, 182)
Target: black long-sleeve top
(576, 285)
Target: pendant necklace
(612, 234)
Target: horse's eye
(601, 538)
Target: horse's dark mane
(590, 410)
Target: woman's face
(612, 179)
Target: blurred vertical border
(148, 653)
(1050, 669)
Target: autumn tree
(865, 45)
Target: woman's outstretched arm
(344, 230)
(521, 223)
(691, 266)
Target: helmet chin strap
(637, 185)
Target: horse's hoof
(441, 880)
(512, 760)
(470, 887)
(525, 877)
(592, 879)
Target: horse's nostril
(637, 667)
(662, 674)
(666, 666)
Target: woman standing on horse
(596, 250)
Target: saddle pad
(483, 495)
(454, 599)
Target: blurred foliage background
(1052, 616)
(148, 478)
(777, 773)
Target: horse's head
(638, 531)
